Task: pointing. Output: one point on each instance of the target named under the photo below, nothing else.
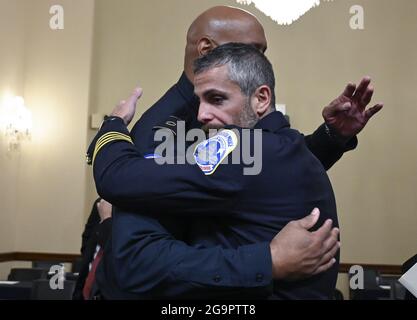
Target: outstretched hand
(347, 114)
(126, 108)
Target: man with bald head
(250, 264)
(220, 25)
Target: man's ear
(204, 46)
(261, 100)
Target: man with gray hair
(235, 85)
(215, 26)
(248, 69)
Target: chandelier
(283, 12)
(15, 121)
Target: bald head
(220, 25)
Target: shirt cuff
(256, 265)
(327, 135)
(248, 266)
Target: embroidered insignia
(211, 152)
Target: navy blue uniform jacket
(246, 209)
(145, 257)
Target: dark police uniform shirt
(250, 265)
(248, 209)
(158, 271)
(180, 103)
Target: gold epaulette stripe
(98, 148)
(111, 133)
(107, 138)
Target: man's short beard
(206, 127)
(247, 118)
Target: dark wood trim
(62, 257)
(38, 256)
(7, 256)
(382, 268)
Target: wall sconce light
(15, 122)
(283, 12)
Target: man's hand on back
(104, 210)
(298, 253)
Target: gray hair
(248, 67)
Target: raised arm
(344, 118)
(129, 181)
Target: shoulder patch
(211, 152)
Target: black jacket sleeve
(327, 146)
(128, 181)
(92, 222)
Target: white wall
(11, 80)
(47, 186)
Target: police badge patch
(211, 152)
